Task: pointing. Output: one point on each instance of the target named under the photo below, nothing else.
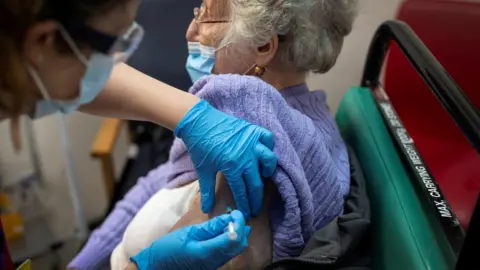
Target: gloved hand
(199, 247)
(220, 142)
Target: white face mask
(200, 61)
(98, 71)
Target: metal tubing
(448, 93)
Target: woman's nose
(192, 32)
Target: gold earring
(259, 71)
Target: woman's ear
(39, 42)
(266, 53)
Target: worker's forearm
(131, 266)
(133, 95)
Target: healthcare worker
(59, 55)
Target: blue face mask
(96, 76)
(98, 71)
(200, 61)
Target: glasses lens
(126, 44)
(196, 13)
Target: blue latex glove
(220, 142)
(199, 247)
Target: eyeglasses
(119, 47)
(127, 44)
(201, 15)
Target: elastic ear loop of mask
(248, 70)
(72, 45)
(38, 82)
(207, 51)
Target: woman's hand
(202, 246)
(220, 142)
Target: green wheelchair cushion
(405, 232)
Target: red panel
(451, 30)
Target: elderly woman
(279, 42)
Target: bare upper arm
(259, 251)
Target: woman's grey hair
(313, 30)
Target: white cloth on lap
(154, 220)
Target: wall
(348, 70)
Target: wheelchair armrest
(102, 149)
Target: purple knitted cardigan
(312, 175)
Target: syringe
(232, 234)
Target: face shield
(127, 44)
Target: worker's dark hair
(16, 17)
